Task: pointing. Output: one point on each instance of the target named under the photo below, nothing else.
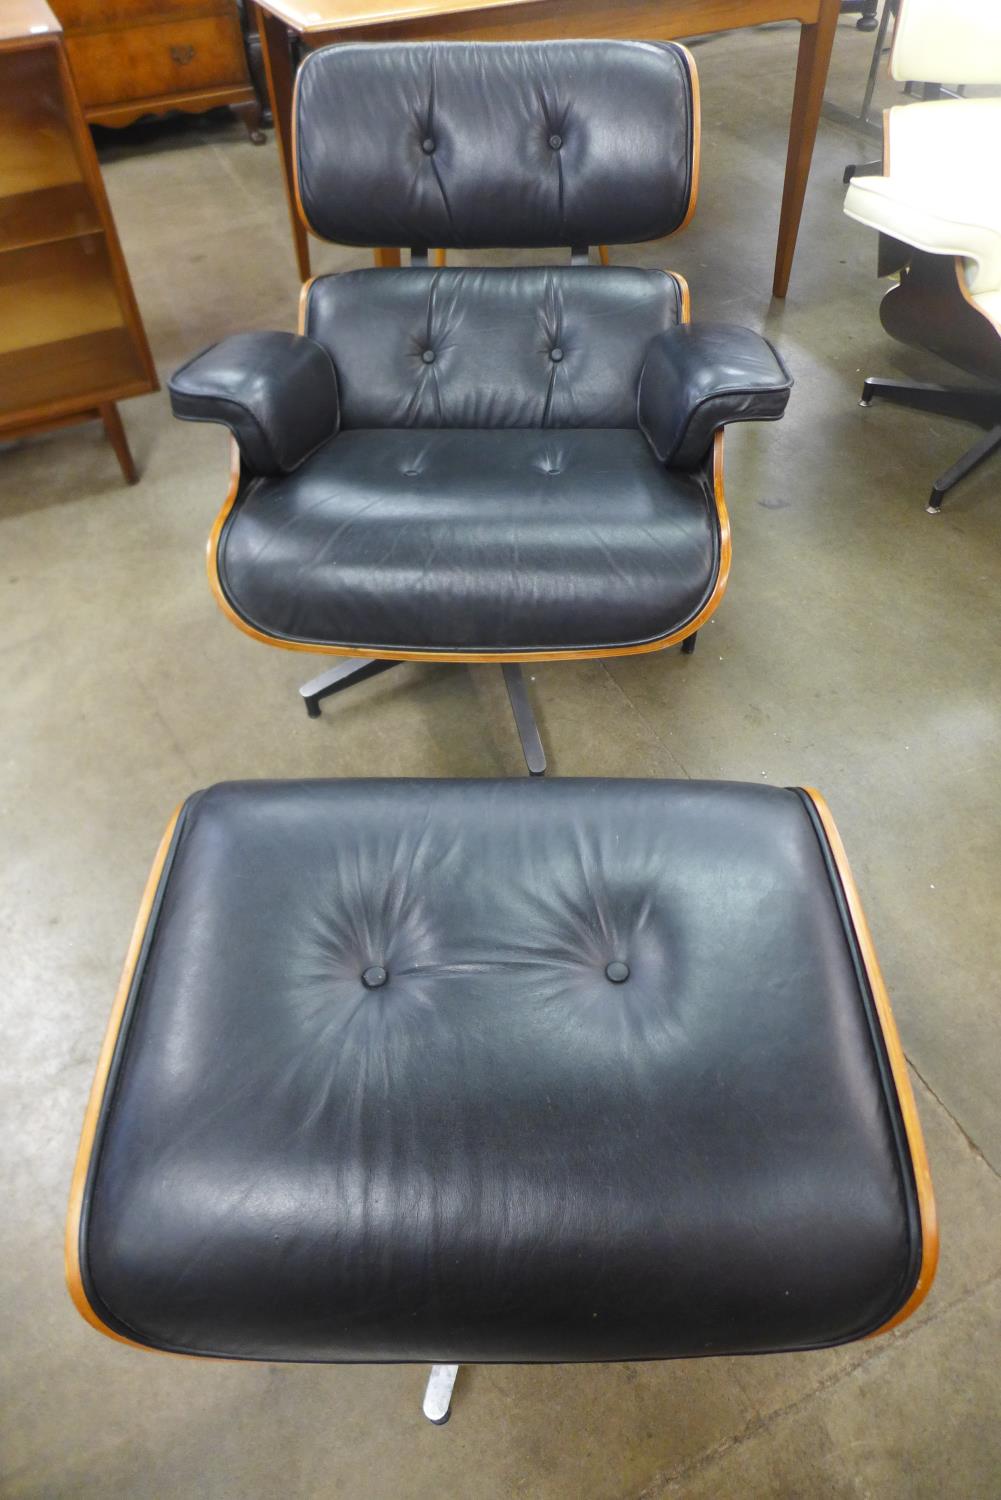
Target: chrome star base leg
(438, 1394)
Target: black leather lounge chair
(468, 464)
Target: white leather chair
(938, 209)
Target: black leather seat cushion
(498, 1153)
(448, 539)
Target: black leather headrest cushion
(480, 144)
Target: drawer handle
(182, 55)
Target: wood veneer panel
(101, 15)
(177, 56)
(52, 213)
(36, 137)
(24, 19)
(524, 19)
(70, 371)
(56, 291)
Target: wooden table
(317, 22)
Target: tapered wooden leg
(815, 43)
(278, 71)
(116, 437)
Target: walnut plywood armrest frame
(114, 1036)
(888, 1047)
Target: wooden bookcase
(72, 342)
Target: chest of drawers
(138, 57)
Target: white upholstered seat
(942, 188)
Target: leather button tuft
(428, 356)
(556, 354)
(556, 141)
(427, 145)
(617, 971)
(373, 978)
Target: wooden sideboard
(142, 57)
(72, 342)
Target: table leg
(815, 44)
(278, 71)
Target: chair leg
(438, 1394)
(528, 729)
(688, 644)
(989, 443)
(344, 675)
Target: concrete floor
(857, 649)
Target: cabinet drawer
(101, 15)
(145, 62)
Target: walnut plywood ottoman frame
(500, 1071)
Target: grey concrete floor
(857, 650)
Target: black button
(427, 145)
(374, 977)
(556, 354)
(428, 356)
(556, 141)
(617, 971)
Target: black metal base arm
(358, 668)
(344, 675)
(978, 404)
(524, 718)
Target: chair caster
(312, 707)
(866, 23)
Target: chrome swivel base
(438, 1394)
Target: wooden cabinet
(71, 339)
(139, 57)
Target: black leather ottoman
(500, 1071)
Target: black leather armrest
(697, 377)
(276, 392)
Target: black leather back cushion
(492, 144)
(532, 347)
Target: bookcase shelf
(71, 338)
